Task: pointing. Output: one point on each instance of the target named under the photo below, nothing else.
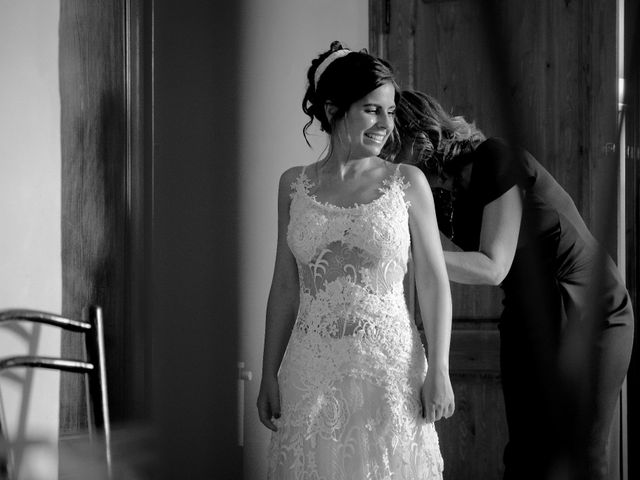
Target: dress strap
(396, 174)
(303, 179)
(301, 182)
(397, 179)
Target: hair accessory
(327, 61)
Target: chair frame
(94, 368)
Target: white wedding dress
(351, 375)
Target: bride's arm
(282, 308)
(434, 295)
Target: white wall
(281, 37)
(30, 264)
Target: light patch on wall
(280, 39)
(30, 265)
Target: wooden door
(93, 139)
(103, 254)
(542, 71)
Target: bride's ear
(330, 110)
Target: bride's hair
(343, 79)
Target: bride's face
(368, 123)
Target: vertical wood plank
(632, 120)
(601, 117)
(377, 35)
(401, 45)
(136, 330)
(93, 194)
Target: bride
(346, 387)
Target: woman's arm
(282, 307)
(434, 295)
(498, 240)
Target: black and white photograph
(319, 239)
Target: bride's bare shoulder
(291, 174)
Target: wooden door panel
(93, 140)
(469, 437)
(475, 348)
(557, 83)
(475, 434)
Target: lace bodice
(351, 261)
(365, 246)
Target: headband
(327, 61)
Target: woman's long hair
(435, 137)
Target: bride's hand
(269, 402)
(437, 395)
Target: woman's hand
(437, 395)
(269, 402)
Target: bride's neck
(347, 168)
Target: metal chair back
(93, 367)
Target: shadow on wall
(20, 382)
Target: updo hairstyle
(344, 81)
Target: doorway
(558, 72)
